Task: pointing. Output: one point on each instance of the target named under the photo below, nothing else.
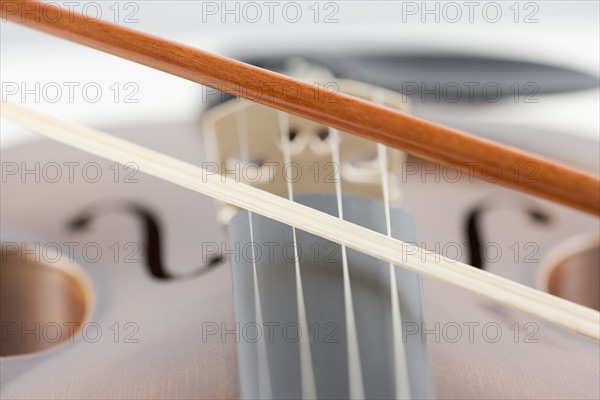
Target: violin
(127, 284)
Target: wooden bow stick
(552, 181)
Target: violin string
(264, 378)
(402, 383)
(307, 373)
(354, 365)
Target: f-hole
(152, 243)
(473, 230)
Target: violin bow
(552, 181)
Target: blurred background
(557, 34)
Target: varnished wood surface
(510, 167)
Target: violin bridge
(311, 168)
